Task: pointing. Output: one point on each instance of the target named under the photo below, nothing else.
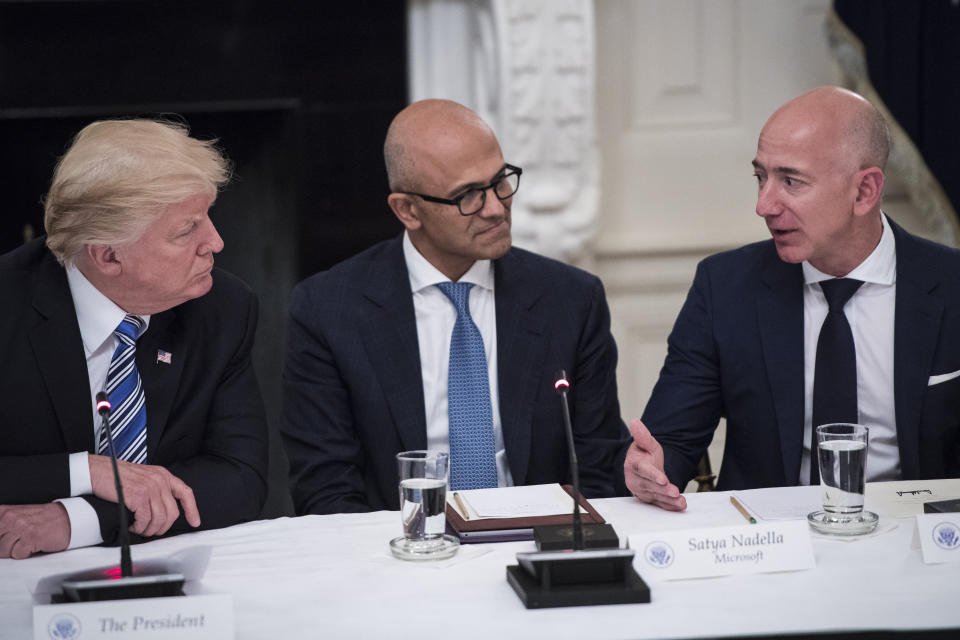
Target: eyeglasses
(472, 201)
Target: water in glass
(842, 464)
(422, 504)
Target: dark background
(913, 59)
(298, 93)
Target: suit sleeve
(228, 472)
(600, 435)
(34, 479)
(686, 403)
(325, 453)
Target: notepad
(514, 502)
(776, 504)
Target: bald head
(426, 133)
(819, 169)
(854, 129)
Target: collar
(423, 274)
(880, 267)
(97, 314)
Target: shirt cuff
(84, 524)
(80, 483)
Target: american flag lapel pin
(164, 356)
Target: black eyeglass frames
(472, 201)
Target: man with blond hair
(121, 296)
(447, 338)
(841, 317)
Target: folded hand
(149, 491)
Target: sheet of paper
(897, 499)
(776, 504)
(905, 498)
(515, 502)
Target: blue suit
(353, 391)
(736, 351)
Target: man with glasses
(447, 338)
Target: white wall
(683, 89)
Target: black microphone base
(577, 578)
(98, 585)
(560, 536)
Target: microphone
(560, 576)
(126, 564)
(104, 584)
(575, 536)
(562, 385)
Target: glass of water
(842, 454)
(423, 499)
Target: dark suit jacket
(736, 351)
(353, 391)
(205, 419)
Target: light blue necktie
(473, 462)
(128, 415)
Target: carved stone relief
(527, 67)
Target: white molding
(527, 67)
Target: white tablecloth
(334, 577)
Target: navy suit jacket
(205, 418)
(736, 351)
(353, 390)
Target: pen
(740, 508)
(463, 507)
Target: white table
(333, 577)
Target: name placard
(719, 551)
(182, 617)
(939, 537)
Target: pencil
(743, 512)
(463, 507)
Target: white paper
(775, 504)
(515, 502)
(718, 551)
(939, 537)
(905, 498)
(208, 617)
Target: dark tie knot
(459, 294)
(838, 291)
(130, 327)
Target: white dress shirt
(436, 316)
(870, 313)
(97, 316)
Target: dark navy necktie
(835, 372)
(473, 462)
(128, 416)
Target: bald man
(745, 345)
(447, 338)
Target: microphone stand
(576, 535)
(562, 385)
(126, 564)
(602, 574)
(104, 584)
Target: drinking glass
(842, 455)
(423, 499)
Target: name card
(182, 617)
(720, 551)
(938, 536)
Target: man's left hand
(26, 529)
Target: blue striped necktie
(128, 416)
(473, 462)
